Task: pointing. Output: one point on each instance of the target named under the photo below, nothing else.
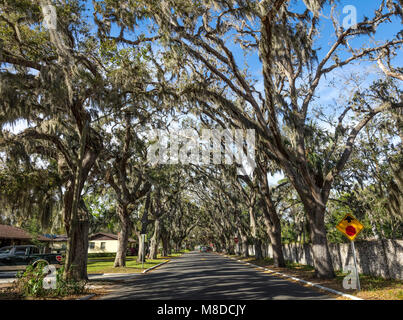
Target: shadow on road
(208, 276)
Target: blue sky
(327, 94)
(364, 8)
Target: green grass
(294, 265)
(104, 264)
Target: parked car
(14, 258)
(203, 249)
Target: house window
(92, 245)
(102, 245)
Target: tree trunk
(123, 236)
(169, 249)
(245, 248)
(77, 244)
(155, 240)
(258, 249)
(144, 223)
(243, 245)
(320, 249)
(165, 243)
(178, 245)
(256, 241)
(75, 213)
(218, 247)
(231, 249)
(141, 252)
(273, 226)
(141, 257)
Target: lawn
(105, 264)
(372, 288)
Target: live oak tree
(284, 37)
(30, 190)
(127, 178)
(222, 208)
(84, 95)
(257, 184)
(372, 183)
(53, 79)
(174, 216)
(187, 218)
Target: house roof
(10, 232)
(106, 236)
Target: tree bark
(155, 240)
(75, 213)
(256, 241)
(165, 242)
(273, 225)
(77, 228)
(231, 249)
(245, 247)
(77, 243)
(144, 224)
(178, 245)
(243, 244)
(141, 257)
(123, 236)
(77, 248)
(320, 249)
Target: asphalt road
(209, 276)
(7, 277)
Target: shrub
(30, 283)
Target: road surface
(209, 276)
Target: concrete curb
(156, 266)
(300, 280)
(113, 275)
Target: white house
(102, 242)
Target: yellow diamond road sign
(350, 227)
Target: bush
(30, 283)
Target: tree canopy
(84, 84)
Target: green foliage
(294, 265)
(30, 283)
(288, 232)
(102, 209)
(34, 228)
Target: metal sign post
(351, 227)
(355, 266)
